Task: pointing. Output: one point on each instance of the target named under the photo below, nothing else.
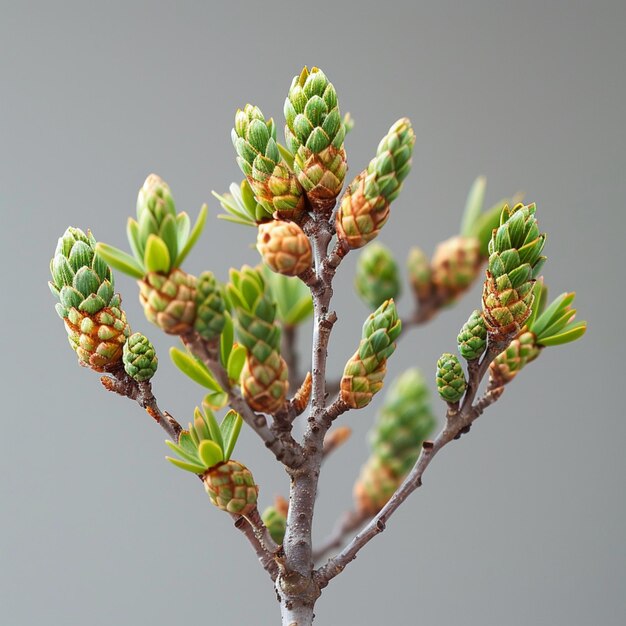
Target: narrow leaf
(473, 205)
(169, 235)
(119, 260)
(194, 369)
(132, 234)
(570, 333)
(193, 237)
(188, 467)
(189, 456)
(236, 361)
(226, 340)
(231, 427)
(214, 428)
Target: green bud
(210, 307)
(377, 276)
(451, 381)
(139, 358)
(472, 339)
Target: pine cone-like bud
(420, 273)
(231, 487)
(275, 186)
(514, 260)
(507, 364)
(210, 318)
(284, 247)
(315, 132)
(455, 265)
(275, 522)
(265, 383)
(374, 487)
(377, 276)
(364, 373)
(264, 379)
(154, 204)
(472, 339)
(451, 381)
(82, 282)
(169, 301)
(139, 357)
(364, 207)
(405, 421)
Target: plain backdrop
(521, 522)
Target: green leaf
(552, 312)
(236, 361)
(185, 441)
(120, 260)
(132, 234)
(216, 400)
(473, 205)
(570, 333)
(194, 369)
(188, 467)
(214, 429)
(169, 235)
(230, 427)
(192, 457)
(288, 157)
(193, 237)
(226, 339)
(156, 257)
(183, 226)
(210, 453)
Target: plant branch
(457, 422)
(347, 524)
(121, 383)
(287, 452)
(266, 558)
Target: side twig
(457, 422)
(121, 383)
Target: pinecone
(274, 185)
(404, 422)
(451, 381)
(364, 208)
(314, 133)
(377, 276)
(364, 373)
(82, 282)
(264, 379)
(374, 487)
(231, 487)
(210, 318)
(284, 247)
(515, 259)
(455, 265)
(169, 300)
(265, 384)
(140, 359)
(472, 338)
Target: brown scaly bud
(284, 247)
(455, 265)
(169, 301)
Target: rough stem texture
(296, 587)
(458, 422)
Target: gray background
(522, 522)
